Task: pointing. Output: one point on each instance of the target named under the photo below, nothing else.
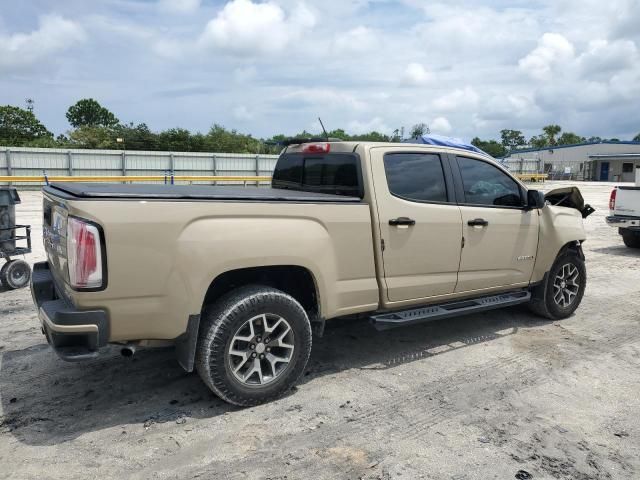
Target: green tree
(136, 137)
(493, 148)
(551, 131)
(539, 141)
(219, 139)
(418, 130)
(570, 138)
(372, 136)
(636, 138)
(595, 139)
(92, 137)
(175, 140)
(89, 113)
(512, 139)
(19, 127)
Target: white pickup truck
(624, 204)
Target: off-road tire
(631, 240)
(542, 302)
(222, 320)
(15, 274)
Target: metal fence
(556, 170)
(21, 161)
(24, 161)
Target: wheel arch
(294, 280)
(572, 246)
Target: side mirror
(535, 199)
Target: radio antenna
(323, 129)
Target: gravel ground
(495, 395)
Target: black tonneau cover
(191, 192)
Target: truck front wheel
(562, 290)
(253, 345)
(631, 239)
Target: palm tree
(551, 131)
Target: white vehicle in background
(624, 204)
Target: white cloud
(323, 98)
(245, 27)
(375, 124)
(245, 74)
(460, 98)
(242, 113)
(357, 40)
(415, 74)
(179, 6)
(440, 125)
(274, 66)
(553, 49)
(55, 34)
(602, 56)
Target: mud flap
(186, 344)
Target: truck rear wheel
(631, 239)
(253, 345)
(562, 291)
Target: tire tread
(215, 329)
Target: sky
(466, 68)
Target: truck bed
(81, 191)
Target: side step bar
(385, 321)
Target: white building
(603, 161)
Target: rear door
(500, 235)
(420, 224)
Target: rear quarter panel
(162, 256)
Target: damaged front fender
(569, 197)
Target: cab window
(415, 176)
(485, 184)
(334, 173)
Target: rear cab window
(331, 173)
(417, 177)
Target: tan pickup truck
(239, 279)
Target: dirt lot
(478, 397)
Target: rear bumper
(75, 335)
(621, 221)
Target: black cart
(15, 240)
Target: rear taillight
(612, 199)
(84, 254)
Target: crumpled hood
(569, 197)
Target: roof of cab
(351, 145)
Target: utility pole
(30, 102)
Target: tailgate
(54, 234)
(628, 202)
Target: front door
(500, 236)
(419, 223)
(604, 172)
